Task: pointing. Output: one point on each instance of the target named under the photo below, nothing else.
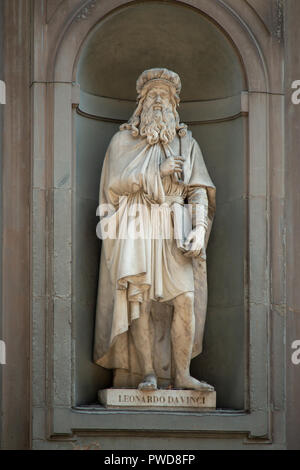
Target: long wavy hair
(133, 124)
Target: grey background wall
(92, 139)
(225, 348)
(16, 184)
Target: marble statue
(152, 291)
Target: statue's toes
(149, 383)
(147, 386)
(190, 383)
(210, 388)
(205, 386)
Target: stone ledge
(179, 400)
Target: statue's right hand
(171, 165)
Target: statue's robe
(150, 267)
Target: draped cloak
(149, 267)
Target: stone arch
(66, 51)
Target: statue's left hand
(195, 242)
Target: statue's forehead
(158, 87)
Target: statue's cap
(158, 75)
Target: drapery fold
(150, 266)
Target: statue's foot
(149, 383)
(189, 383)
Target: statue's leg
(182, 335)
(141, 338)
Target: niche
(132, 39)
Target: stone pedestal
(173, 400)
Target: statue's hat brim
(157, 75)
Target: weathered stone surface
(16, 222)
(180, 400)
(166, 167)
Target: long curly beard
(158, 126)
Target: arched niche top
(63, 62)
(159, 34)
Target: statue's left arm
(195, 241)
(201, 198)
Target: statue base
(173, 400)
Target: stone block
(163, 400)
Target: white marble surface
(153, 161)
(180, 400)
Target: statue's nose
(158, 99)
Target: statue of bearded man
(152, 291)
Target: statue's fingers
(188, 243)
(192, 253)
(195, 246)
(189, 254)
(177, 175)
(189, 239)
